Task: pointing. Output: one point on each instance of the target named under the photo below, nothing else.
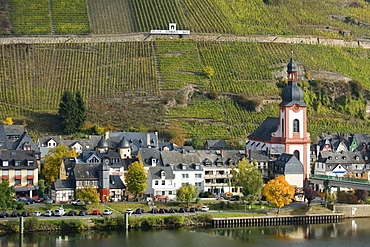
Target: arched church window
(296, 125)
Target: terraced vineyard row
(70, 16)
(34, 76)
(180, 64)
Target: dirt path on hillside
(148, 37)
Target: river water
(351, 232)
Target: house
(20, 167)
(289, 166)
(160, 183)
(265, 163)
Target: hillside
(159, 84)
(332, 18)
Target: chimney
(148, 140)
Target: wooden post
(126, 221)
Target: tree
(42, 187)
(309, 194)
(208, 71)
(68, 112)
(278, 191)
(81, 111)
(8, 121)
(53, 160)
(6, 195)
(186, 193)
(88, 194)
(136, 178)
(247, 176)
(362, 195)
(197, 142)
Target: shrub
(176, 220)
(31, 224)
(213, 95)
(12, 225)
(73, 224)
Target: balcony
(18, 177)
(5, 177)
(30, 177)
(18, 185)
(216, 176)
(216, 184)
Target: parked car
(163, 211)
(71, 213)
(154, 211)
(59, 212)
(25, 214)
(193, 209)
(48, 213)
(39, 199)
(172, 210)
(182, 210)
(30, 201)
(47, 201)
(82, 213)
(3, 215)
(107, 212)
(96, 212)
(139, 211)
(204, 209)
(14, 214)
(129, 211)
(36, 213)
(74, 202)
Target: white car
(204, 209)
(129, 211)
(36, 213)
(48, 213)
(107, 212)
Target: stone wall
(353, 210)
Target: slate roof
(22, 155)
(289, 163)
(87, 144)
(115, 182)
(64, 184)
(264, 131)
(155, 172)
(15, 137)
(147, 154)
(86, 171)
(259, 155)
(216, 144)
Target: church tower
(292, 131)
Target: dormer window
(163, 174)
(154, 162)
(17, 162)
(183, 166)
(29, 162)
(5, 163)
(357, 158)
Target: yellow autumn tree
(279, 192)
(8, 121)
(53, 161)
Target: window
(163, 182)
(163, 193)
(30, 172)
(29, 181)
(296, 154)
(79, 183)
(156, 182)
(296, 125)
(5, 172)
(170, 192)
(17, 172)
(17, 163)
(198, 175)
(185, 175)
(17, 181)
(198, 184)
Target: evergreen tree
(68, 112)
(81, 111)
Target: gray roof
(202, 157)
(258, 155)
(289, 164)
(216, 144)
(22, 155)
(115, 182)
(64, 184)
(264, 131)
(86, 171)
(147, 154)
(136, 140)
(155, 172)
(15, 137)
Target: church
(286, 134)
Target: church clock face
(295, 107)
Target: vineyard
(331, 18)
(130, 84)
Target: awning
(26, 188)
